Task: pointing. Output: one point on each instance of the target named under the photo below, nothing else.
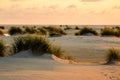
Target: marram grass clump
(108, 31)
(2, 49)
(112, 55)
(42, 31)
(21, 43)
(15, 30)
(53, 31)
(30, 30)
(85, 31)
(1, 32)
(37, 44)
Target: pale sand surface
(25, 66)
(89, 50)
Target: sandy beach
(90, 51)
(27, 67)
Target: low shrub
(2, 49)
(15, 30)
(85, 31)
(112, 55)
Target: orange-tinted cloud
(116, 7)
(90, 0)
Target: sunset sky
(59, 11)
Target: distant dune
(90, 52)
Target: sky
(92, 12)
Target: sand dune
(25, 66)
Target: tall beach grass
(42, 31)
(30, 30)
(53, 31)
(2, 49)
(1, 32)
(108, 31)
(112, 55)
(37, 44)
(15, 30)
(86, 30)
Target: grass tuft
(67, 27)
(77, 28)
(107, 31)
(42, 31)
(112, 55)
(15, 30)
(53, 31)
(85, 31)
(2, 49)
(2, 27)
(30, 30)
(1, 32)
(37, 44)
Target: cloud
(1, 9)
(53, 7)
(116, 7)
(71, 6)
(14, 0)
(90, 0)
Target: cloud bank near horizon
(60, 11)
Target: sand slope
(87, 48)
(29, 67)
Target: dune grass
(30, 30)
(2, 27)
(42, 31)
(37, 44)
(21, 43)
(112, 55)
(15, 30)
(53, 31)
(2, 49)
(67, 27)
(77, 28)
(1, 32)
(86, 30)
(108, 31)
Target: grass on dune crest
(15, 30)
(108, 31)
(53, 31)
(42, 31)
(86, 30)
(67, 27)
(2, 49)
(37, 44)
(1, 32)
(77, 28)
(30, 30)
(21, 43)
(112, 55)
(2, 27)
